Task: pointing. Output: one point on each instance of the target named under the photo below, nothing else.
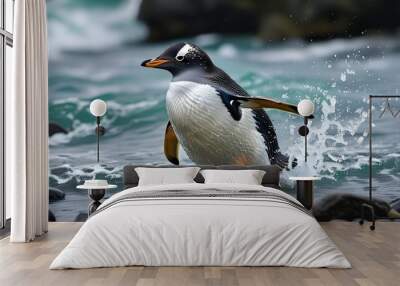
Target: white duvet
(192, 231)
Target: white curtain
(27, 123)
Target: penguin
(212, 117)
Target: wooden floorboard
(374, 255)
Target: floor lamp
(98, 108)
(305, 109)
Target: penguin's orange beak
(154, 63)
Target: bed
(198, 224)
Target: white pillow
(166, 176)
(247, 177)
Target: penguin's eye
(179, 58)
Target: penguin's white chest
(207, 131)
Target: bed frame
(270, 179)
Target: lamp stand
(303, 131)
(305, 138)
(100, 130)
(98, 137)
(97, 194)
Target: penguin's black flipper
(233, 93)
(171, 145)
(231, 104)
(234, 102)
(262, 102)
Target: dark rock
(395, 204)
(69, 184)
(181, 18)
(60, 170)
(52, 217)
(87, 170)
(81, 217)
(270, 20)
(55, 195)
(348, 207)
(55, 128)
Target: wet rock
(52, 217)
(81, 217)
(69, 184)
(395, 204)
(60, 170)
(87, 170)
(62, 177)
(348, 207)
(54, 128)
(55, 195)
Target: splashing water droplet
(330, 141)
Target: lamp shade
(305, 107)
(98, 107)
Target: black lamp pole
(100, 130)
(303, 131)
(98, 108)
(305, 138)
(98, 138)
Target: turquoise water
(95, 51)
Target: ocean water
(95, 51)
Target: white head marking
(184, 50)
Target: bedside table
(95, 193)
(304, 189)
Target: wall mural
(96, 51)
(205, 109)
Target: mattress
(201, 225)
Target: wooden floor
(375, 257)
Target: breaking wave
(96, 50)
